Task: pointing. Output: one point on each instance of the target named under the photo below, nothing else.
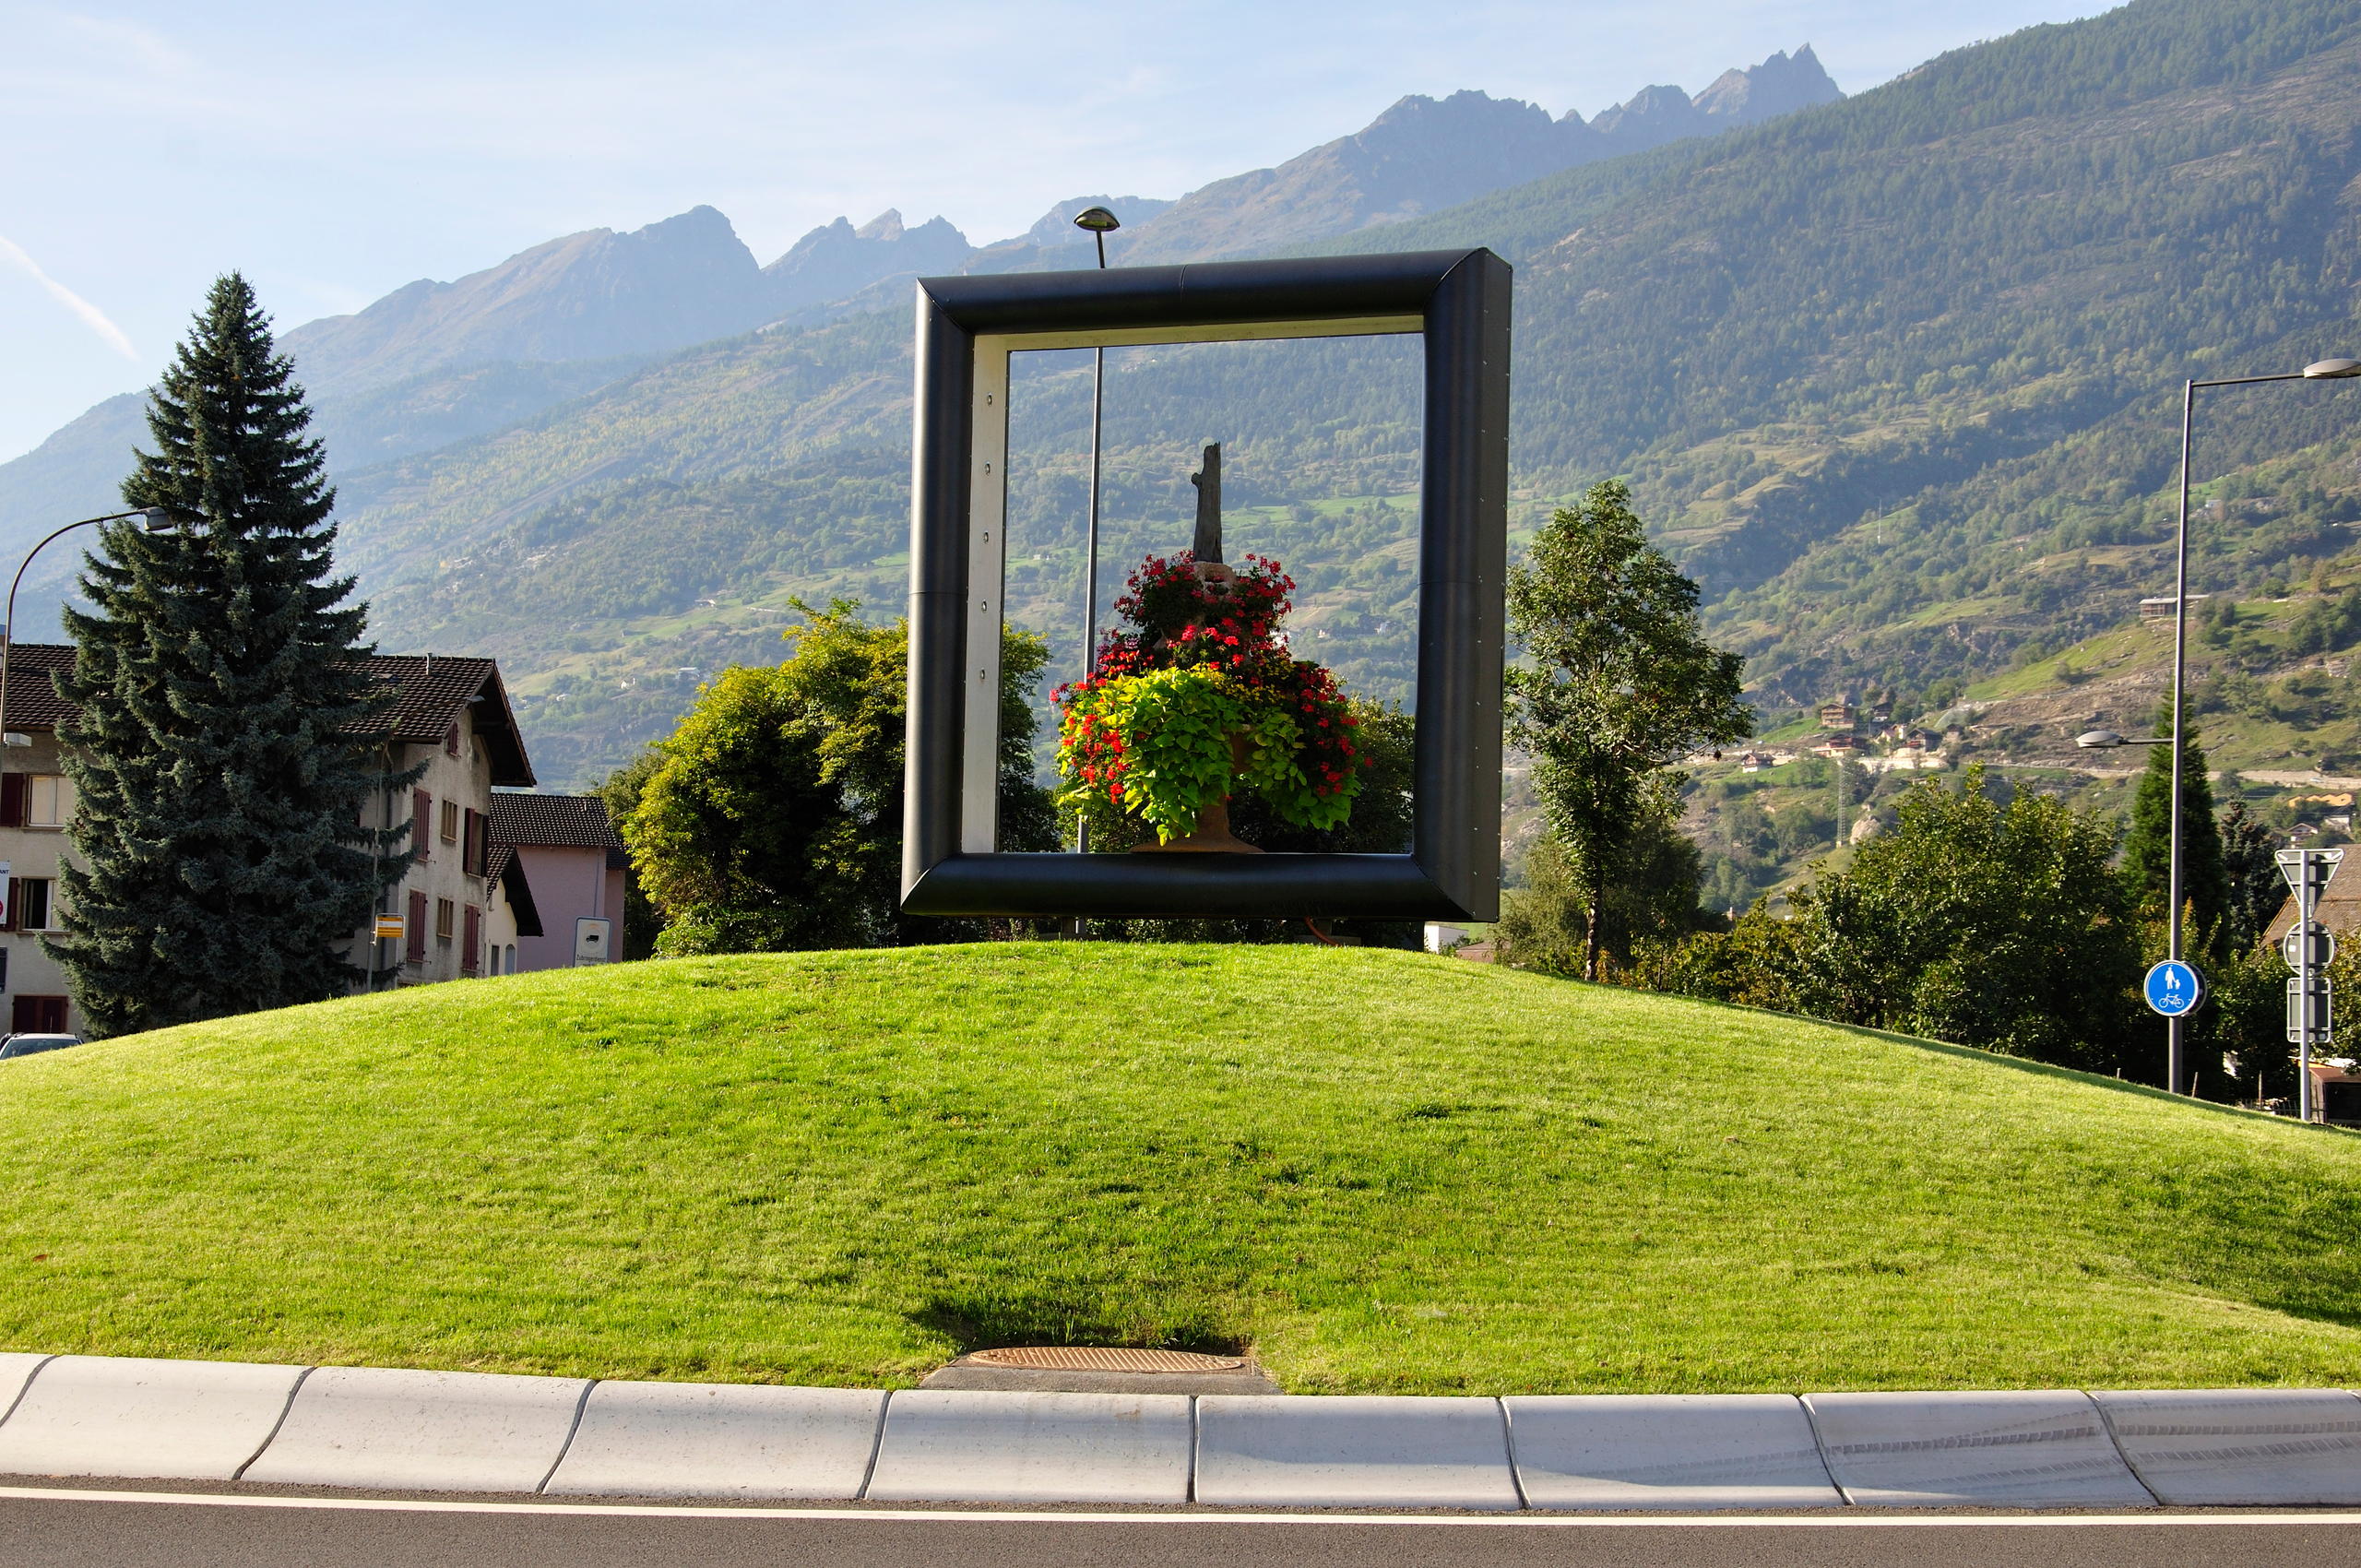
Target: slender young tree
(1620, 684)
(220, 681)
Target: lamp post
(1101, 223)
(2319, 370)
(155, 519)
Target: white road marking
(982, 1515)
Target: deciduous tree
(1619, 683)
(773, 820)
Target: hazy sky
(337, 151)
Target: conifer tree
(220, 679)
(2147, 847)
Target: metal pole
(2173, 1027)
(8, 627)
(1090, 545)
(2303, 985)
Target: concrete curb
(379, 1429)
(966, 1445)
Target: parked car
(32, 1045)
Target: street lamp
(2319, 370)
(155, 519)
(1101, 223)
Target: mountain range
(1895, 375)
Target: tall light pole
(2319, 370)
(155, 519)
(1101, 223)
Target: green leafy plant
(1200, 700)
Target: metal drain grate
(1094, 1358)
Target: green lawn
(1383, 1170)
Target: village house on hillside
(574, 855)
(466, 906)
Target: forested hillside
(1896, 378)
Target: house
(2161, 607)
(1838, 715)
(2336, 1093)
(575, 860)
(1755, 761)
(464, 907)
(1840, 745)
(463, 910)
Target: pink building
(573, 860)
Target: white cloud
(90, 314)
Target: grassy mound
(1385, 1171)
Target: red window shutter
(471, 941)
(414, 931)
(451, 738)
(421, 821)
(473, 856)
(11, 800)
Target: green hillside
(1382, 1170)
(1895, 377)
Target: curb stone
(389, 1430)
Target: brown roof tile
(431, 691)
(569, 821)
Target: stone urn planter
(1212, 836)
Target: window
(476, 855)
(414, 931)
(39, 1014)
(49, 800)
(445, 916)
(34, 903)
(450, 822)
(451, 738)
(421, 821)
(471, 948)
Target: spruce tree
(219, 678)
(2147, 847)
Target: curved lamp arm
(156, 519)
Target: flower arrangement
(1199, 696)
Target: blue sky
(337, 151)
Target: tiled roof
(562, 820)
(430, 692)
(33, 699)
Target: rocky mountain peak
(1781, 85)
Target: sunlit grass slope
(1383, 1170)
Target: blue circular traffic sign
(2173, 989)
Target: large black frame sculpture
(967, 329)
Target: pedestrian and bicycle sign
(2173, 989)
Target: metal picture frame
(967, 326)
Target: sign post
(2308, 949)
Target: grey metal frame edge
(1459, 301)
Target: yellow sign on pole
(390, 927)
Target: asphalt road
(146, 1530)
